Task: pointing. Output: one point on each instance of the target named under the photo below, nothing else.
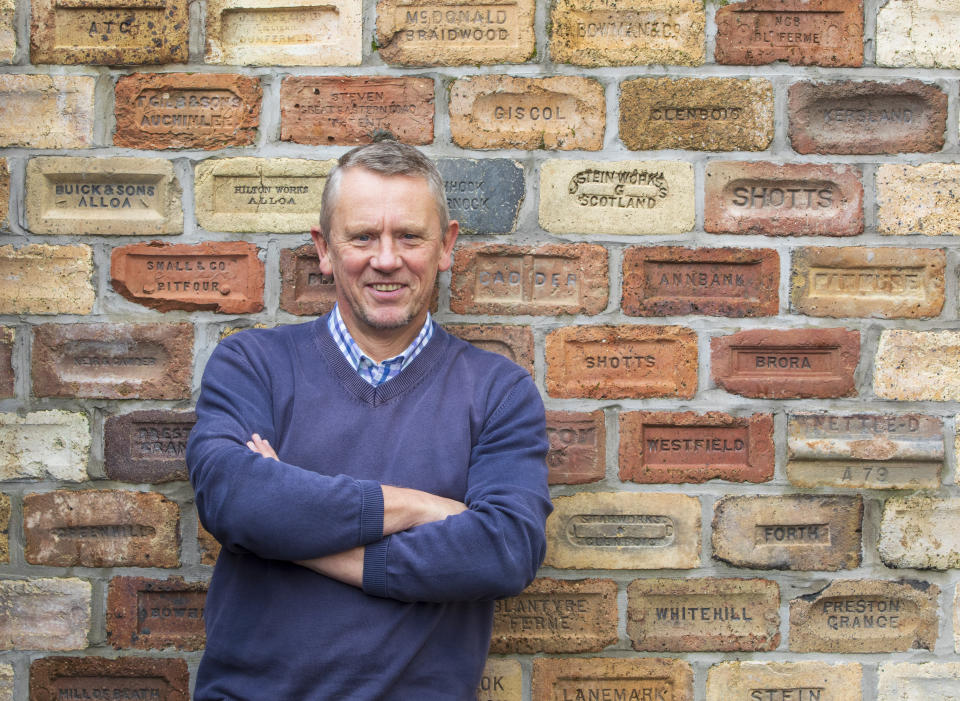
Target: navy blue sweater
(458, 422)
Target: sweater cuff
(371, 511)
(375, 568)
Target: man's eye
(362, 238)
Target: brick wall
(721, 238)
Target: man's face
(384, 249)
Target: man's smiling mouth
(386, 287)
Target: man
(375, 482)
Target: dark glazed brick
(147, 446)
(151, 614)
(513, 342)
(60, 678)
(483, 195)
(577, 452)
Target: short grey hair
(386, 158)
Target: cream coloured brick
(44, 445)
(6, 682)
(925, 681)
(920, 532)
(918, 365)
(8, 43)
(44, 614)
(919, 33)
(918, 199)
(801, 680)
(40, 279)
(39, 111)
(502, 680)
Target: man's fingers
(262, 446)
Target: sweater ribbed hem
(375, 568)
(371, 511)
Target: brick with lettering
(624, 530)
(577, 452)
(6, 682)
(918, 33)
(919, 532)
(865, 616)
(165, 679)
(41, 279)
(304, 289)
(796, 199)
(483, 195)
(917, 365)
(113, 361)
(101, 528)
(710, 114)
(45, 613)
(501, 680)
(40, 111)
(147, 446)
(8, 44)
(45, 445)
(613, 362)
(691, 615)
(501, 111)
(4, 195)
(674, 281)
(616, 197)
(513, 342)
(186, 110)
(209, 547)
(784, 681)
(152, 614)
(664, 446)
(111, 196)
(549, 280)
(612, 678)
(554, 615)
(911, 681)
(4, 527)
(881, 282)
(788, 532)
(918, 199)
(865, 451)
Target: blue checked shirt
(376, 373)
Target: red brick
(513, 342)
(351, 110)
(304, 290)
(151, 614)
(802, 32)
(635, 678)
(7, 335)
(186, 110)
(577, 447)
(611, 362)
(549, 280)
(53, 678)
(101, 528)
(663, 446)
(672, 280)
(147, 446)
(209, 547)
(789, 364)
(798, 199)
(113, 361)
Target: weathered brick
(611, 362)
(4, 192)
(577, 452)
(919, 532)
(909, 681)
(801, 32)
(112, 196)
(788, 532)
(551, 279)
(887, 283)
(4, 527)
(513, 342)
(147, 446)
(113, 361)
(796, 199)
(222, 276)
(624, 530)
(7, 335)
(274, 195)
(278, 33)
(865, 451)
(918, 33)
(6, 682)
(8, 48)
(304, 289)
(865, 616)
(40, 111)
(501, 111)
(186, 110)
(778, 681)
(672, 280)
(917, 365)
(786, 364)
(41, 279)
(918, 199)
(44, 614)
(51, 445)
(151, 614)
(123, 678)
(209, 547)
(614, 678)
(483, 195)
(703, 614)
(553, 615)
(502, 680)
(663, 446)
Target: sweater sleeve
(494, 548)
(259, 505)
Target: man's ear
(449, 239)
(323, 250)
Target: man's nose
(387, 256)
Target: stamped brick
(44, 614)
(673, 281)
(47, 445)
(612, 362)
(113, 361)
(280, 33)
(4, 195)
(186, 110)
(906, 681)
(500, 111)
(41, 279)
(865, 451)
(209, 547)
(624, 531)
(918, 199)
(918, 33)
(502, 680)
(513, 342)
(866, 117)
(635, 32)
(151, 614)
(111, 196)
(40, 111)
(663, 446)
(801, 32)
(304, 289)
(4, 528)
(8, 49)
(703, 614)
(577, 452)
(612, 678)
(786, 364)
(553, 615)
(919, 532)
(483, 195)
(797, 199)
(865, 616)
(7, 335)
(101, 528)
(97, 677)
(273, 195)
(788, 532)
(784, 681)
(887, 283)
(917, 365)
(147, 446)
(711, 114)
(455, 32)
(549, 280)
